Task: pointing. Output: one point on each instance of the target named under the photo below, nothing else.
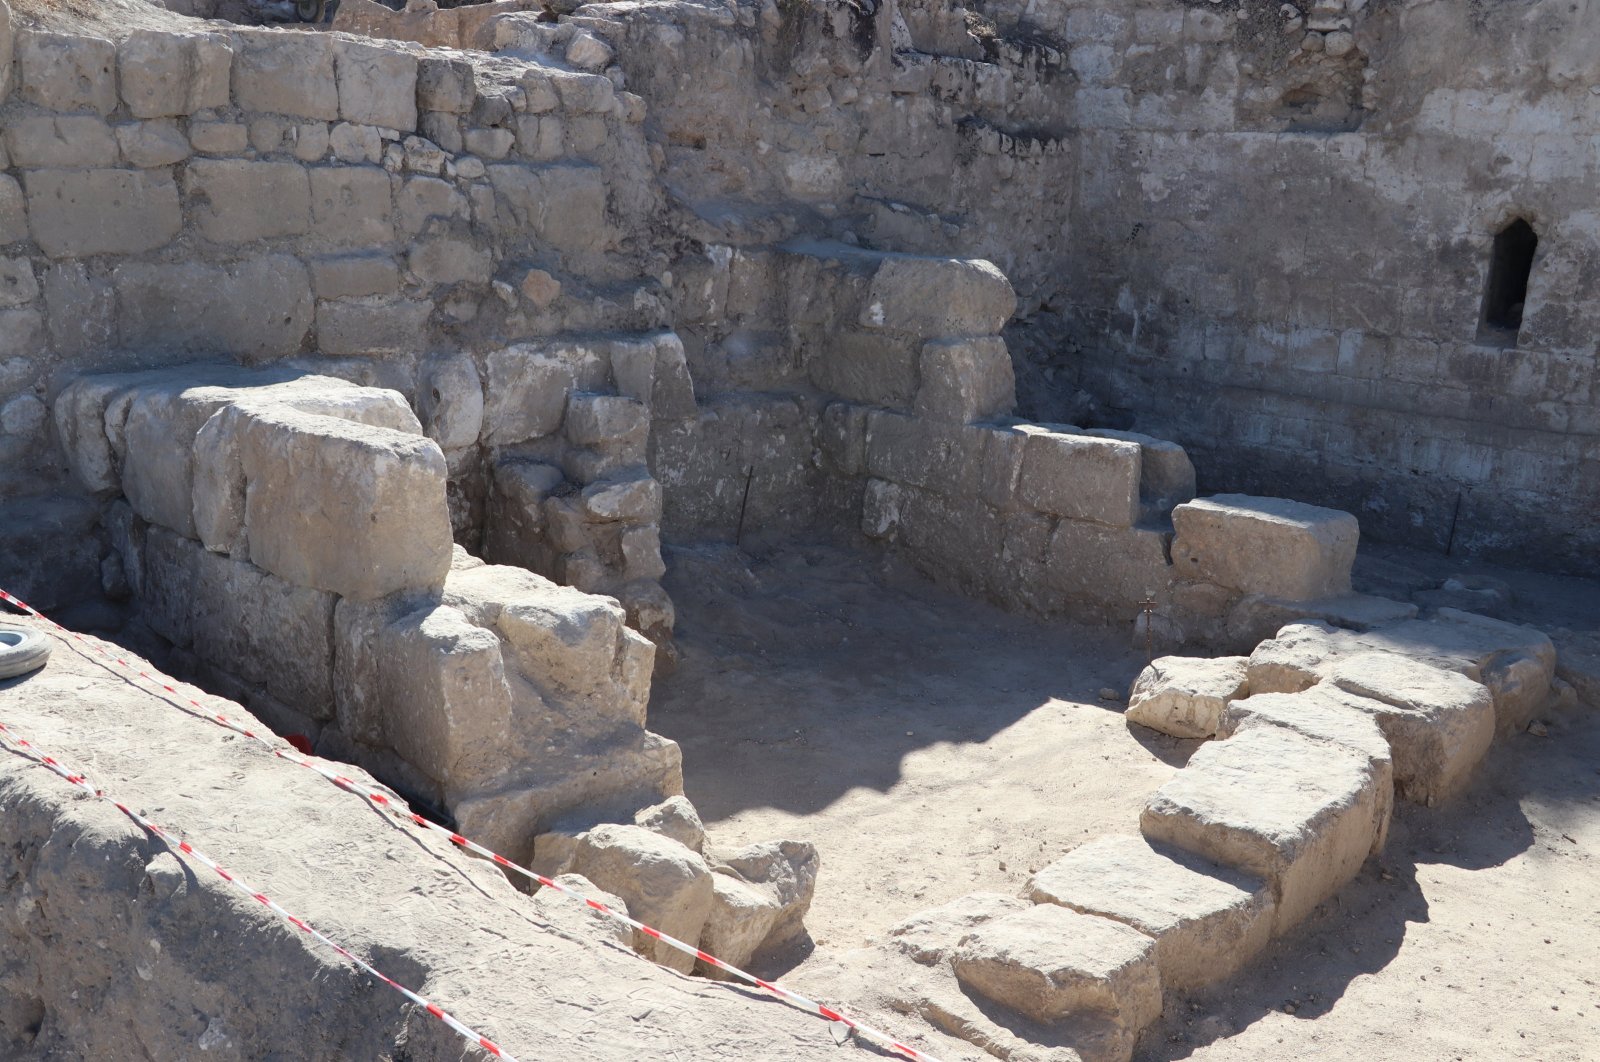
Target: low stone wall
(290, 533)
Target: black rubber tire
(22, 649)
(310, 10)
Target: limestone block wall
(1261, 231)
(289, 535)
(383, 214)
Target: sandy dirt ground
(932, 746)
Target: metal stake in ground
(738, 534)
(1149, 606)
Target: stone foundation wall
(289, 536)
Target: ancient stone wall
(394, 217)
(1262, 231)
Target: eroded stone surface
(1186, 696)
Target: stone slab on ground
(1439, 723)
(1207, 920)
(412, 903)
(1185, 696)
(1050, 963)
(1301, 813)
(1325, 713)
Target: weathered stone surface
(377, 85)
(78, 213)
(256, 309)
(573, 646)
(158, 450)
(1326, 713)
(350, 205)
(1440, 724)
(1166, 475)
(170, 74)
(965, 380)
(606, 420)
(345, 507)
(219, 138)
(241, 202)
(266, 631)
(1257, 617)
(562, 205)
(786, 873)
(663, 883)
(1268, 546)
(1300, 813)
(739, 920)
(1186, 696)
(938, 297)
(13, 211)
(285, 74)
(1049, 963)
(445, 84)
(1207, 920)
(929, 937)
(66, 72)
(378, 324)
(354, 276)
(450, 401)
(450, 261)
(528, 384)
(1290, 662)
(1081, 478)
(153, 143)
(68, 141)
(676, 818)
(635, 497)
(446, 705)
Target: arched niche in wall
(1510, 265)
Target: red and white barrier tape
(17, 743)
(384, 803)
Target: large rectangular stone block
(377, 85)
(1272, 546)
(171, 74)
(564, 206)
(1298, 812)
(933, 297)
(966, 380)
(60, 141)
(67, 72)
(1207, 920)
(266, 631)
(944, 458)
(285, 73)
(78, 213)
(157, 451)
(241, 202)
(528, 387)
(356, 510)
(440, 683)
(352, 206)
(1081, 477)
(257, 309)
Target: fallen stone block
(1300, 813)
(1439, 723)
(1269, 546)
(1207, 920)
(1186, 696)
(741, 916)
(1050, 963)
(663, 883)
(1293, 660)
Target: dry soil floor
(931, 746)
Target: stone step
(1055, 965)
(1207, 920)
(1303, 814)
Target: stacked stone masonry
(1319, 730)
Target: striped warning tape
(21, 745)
(384, 803)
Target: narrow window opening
(1503, 300)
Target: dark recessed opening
(1509, 267)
